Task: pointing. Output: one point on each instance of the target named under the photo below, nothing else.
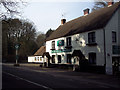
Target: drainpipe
(104, 47)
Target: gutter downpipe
(104, 49)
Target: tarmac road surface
(27, 76)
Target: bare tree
(10, 7)
(40, 40)
(99, 4)
(20, 29)
(49, 32)
(22, 32)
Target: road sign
(17, 46)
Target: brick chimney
(86, 11)
(110, 3)
(63, 21)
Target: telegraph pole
(16, 47)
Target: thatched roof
(95, 20)
(40, 51)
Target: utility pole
(16, 47)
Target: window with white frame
(92, 58)
(53, 58)
(91, 37)
(68, 41)
(53, 44)
(68, 58)
(114, 36)
(59, 58)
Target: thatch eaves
(40, 51)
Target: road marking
(28, 81)
(43, 70)
(103, 84)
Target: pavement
(57, 77)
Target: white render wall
(31, 58)
(83, 37)
(98, 49)
(118, 26)
(49, 46)
(112, 25)
(36, 59)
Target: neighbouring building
(94, 37)
(38, 57)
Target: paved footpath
(92, 80)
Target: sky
(46, 15)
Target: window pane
(53, 58)
(68, 41)
(59, 58)
(68, 58)
(92, 58)
(53, 44)
(91, 37)
(113, 36)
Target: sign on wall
(60, 43)
(60, 51)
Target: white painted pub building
(94, 36)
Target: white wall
(111, 26)
(36, 59)
(98, 49)
(31, 58)
(118, 26)
(0, 42)
(83, 37)
(49, 46)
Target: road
(51, 78)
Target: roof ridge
(85, 23)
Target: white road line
(28, 81)
(28, 69)
(37, 70)
(105, 85)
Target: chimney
(86, 11)
(110, 3)
(63, 21)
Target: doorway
(59, 58)
(116, 64)
(53, 58)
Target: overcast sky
(46, 15)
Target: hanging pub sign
(60, 43)
(17, 46)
